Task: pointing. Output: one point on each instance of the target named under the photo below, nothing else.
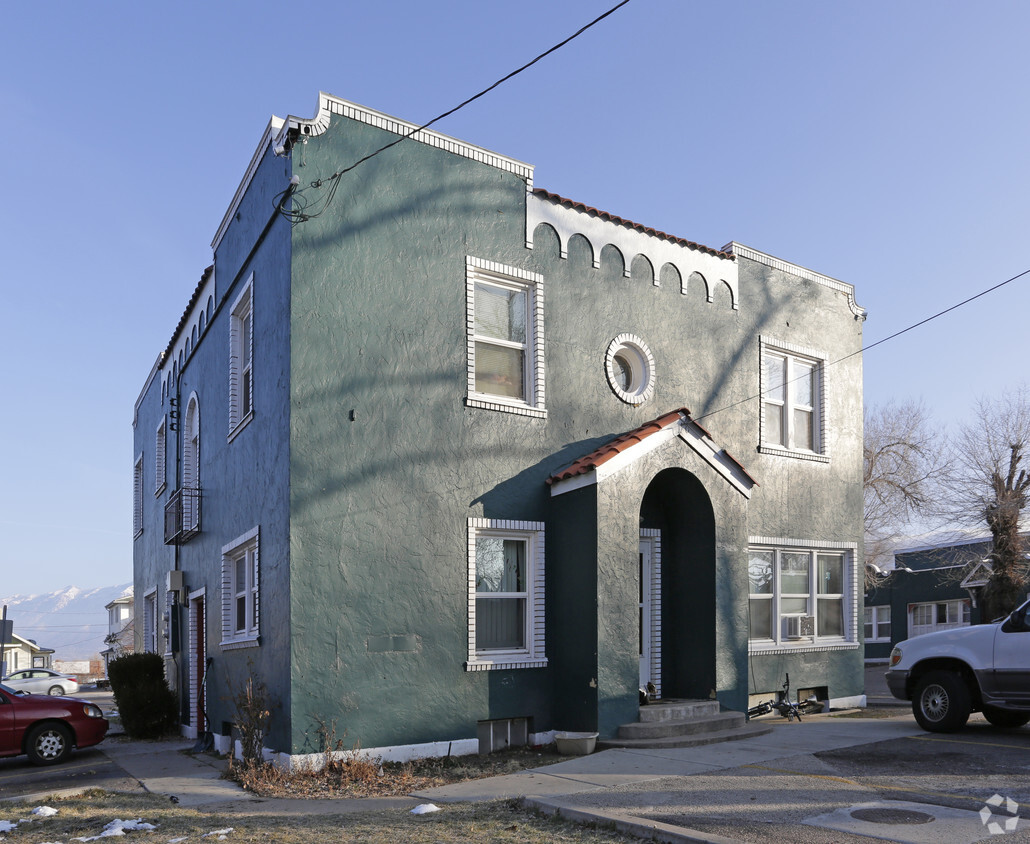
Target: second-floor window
(792, 402)
(505, 338)
(159, 458)
(241, 356)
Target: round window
(629, 366)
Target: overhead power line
(307, 212)
(880, 342)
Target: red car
(45, 728)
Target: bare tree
(990, 483)
(904, 464)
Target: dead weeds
(352, 774)
(86, 816)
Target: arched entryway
(678, 510)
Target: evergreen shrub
(147, 707)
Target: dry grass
(353, 775)
(501, 821)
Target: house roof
(189, 309)
(613, 448)
(620, 221)
(690, 431)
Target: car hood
(53, 698)
(960, 637)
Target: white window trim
(964, 611)
(820, 454)
(477, 269)
(654, 536)
(642, 365)
(879, 610)
(533, 655)
(250, 541)
(137, 496)
(850, 639)
(160, 457)
(150, 621)
(243, 305)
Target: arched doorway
(677, 508)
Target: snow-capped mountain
(72, 621)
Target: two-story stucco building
(432, 448)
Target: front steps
(684, 723)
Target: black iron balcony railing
(182, 516)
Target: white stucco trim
(630, 242)
(794, 269)
(717, 458)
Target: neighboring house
(121, 631)
(930, 588)
(25, 653)
(454, 452)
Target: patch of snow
(424, 809)
(219, 833)
(44, 812)
(117, 827)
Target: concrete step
(694, 740)
(678, 710)
(707, 723)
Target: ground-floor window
(877, 624)
(240, 591)
(150, 622)
(505, 594)
(939, 615)
(801, 594)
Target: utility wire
(880, 342)
(300, 214)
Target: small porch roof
(628, 447)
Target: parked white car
(951, 673)
(41, 681)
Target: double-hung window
(878, 624)
(159, 458)
(241, 354)
(506, 594)
(939, 615)
(240, 591)
(505, 338)
(801, 596)
(150, 621)
(137, 497)
(793, 415)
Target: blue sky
(880, 143)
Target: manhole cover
(896, 817)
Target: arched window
(191, 466)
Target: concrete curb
(629, 824)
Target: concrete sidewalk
(769, 787)
(762, 788)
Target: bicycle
(785, 706)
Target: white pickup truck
(951, 673)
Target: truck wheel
(1005, 717)
(941, 703)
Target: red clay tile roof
(619, 221)
(614, 447)
(189, 307)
